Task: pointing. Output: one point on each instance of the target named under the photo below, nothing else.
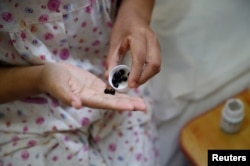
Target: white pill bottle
(232, 116)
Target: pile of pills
(119, 77)
(109, 91)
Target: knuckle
(156, 67)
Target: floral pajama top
(39, 130)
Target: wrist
(38, 80)
(139, 10)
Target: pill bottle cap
(123, 85)
(233, 110)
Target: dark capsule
(116, 85)
(117, 75)
(114, 81)
(112, 91)
(124, 78)
(121, 72)
(106, 91)
(119, 80)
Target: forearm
(139, 9)
(18, 82)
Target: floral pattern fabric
(40, 130)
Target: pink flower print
(25, 155)
(66, 138)
(31, 143)
(69, 157)
(54, 52)
(54, 128)
(11, 42)
(156, 152)
(23, 36)
(97, 139)
(15, 138)
(40, 120)
(43, 57)
(88, 9)
(43, 18)
(55, 158)
(136, 90)
(85, 121)
(86, 148)
(84, 24)
(120, 134)
(14, 143)
(86, 49)
(94, 29)
(7, 16)
(91, 2)
(76, 19)
(112, 147)
(96, 43)
(138, 156)
(110, 24)
(53, 5)
(64, 54)
(25, 129)
(16, 4)
(48, 36)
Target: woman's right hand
(77, 87)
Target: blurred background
(205, 60)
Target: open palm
(77, 87)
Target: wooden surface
(203, 133)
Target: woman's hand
(78, 88)
(131, 31)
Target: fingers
(146, 60)
(153, 59)
(145, 55)
(138, 52)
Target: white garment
(205, 45)
(205, 60)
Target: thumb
(68, 97)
